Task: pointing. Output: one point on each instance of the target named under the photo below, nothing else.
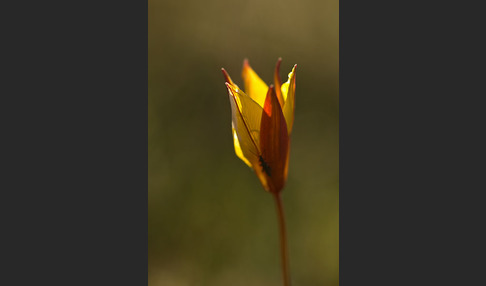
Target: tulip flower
(262, 121)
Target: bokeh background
(210, 221)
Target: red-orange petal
(274, 142)
(227, 78)
(278, 83)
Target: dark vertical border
(407, 136)
(117, 118)
(378, 140)
(74, 185)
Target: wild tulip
(262, 121)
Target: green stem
(283, 239)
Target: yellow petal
(238, 150)
(288, 94)
(255, 87)
(246, 118)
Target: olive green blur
(210, 221)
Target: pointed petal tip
(246, 62)
(226, 76)
(246, 67)
(294, 68)
(277, 65)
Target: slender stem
(283, 239)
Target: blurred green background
(210, 221)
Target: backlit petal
(255, 87)
(246, 118)
(288, 93)
(274, 142)
(238, 150)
